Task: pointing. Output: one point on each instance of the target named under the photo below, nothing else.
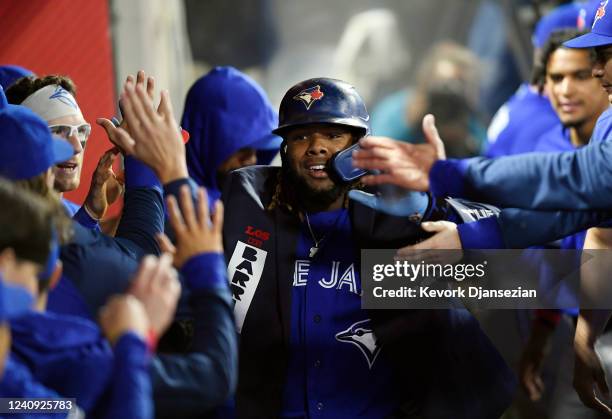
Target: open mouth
(317, 171)
(67, 167)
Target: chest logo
(362, 336)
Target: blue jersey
(514, 129)
(336, 366)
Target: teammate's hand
(123, 314)
(446, 237)
(530, 364)
(105, 187)
(153, 137)
(402, 164)
(195, 233)
(157, 287)
(588, 372)
(122, 139)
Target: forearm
(131, 392)
(194, 383)
(143, 210)
(576, 180)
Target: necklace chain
(314, 238)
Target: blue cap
(601, 32)
(566, 16)
(14, 301)
(27, 148)
(10, 73)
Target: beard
(311, 199)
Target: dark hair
(554, 42)
(26, 223)
(25, 86)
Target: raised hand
(123, 314)
(105, 187)
(195, 232)
(157, 287)
(402, 164)
(124, 142)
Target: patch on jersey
(64, 96)
(244, 272)
(601, 12)
(309, 96)
(361, 335)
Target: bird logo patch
(309, 96)
(64, 96)
(601, 12)
(361, 335)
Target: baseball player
(514, 129)
(230, 120)
(54, 99)
(566, 181)
(292, 239)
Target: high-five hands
(402, 164)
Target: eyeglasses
(66, 131)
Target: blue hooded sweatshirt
(225, 111)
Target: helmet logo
(309, 96)
(601, 12)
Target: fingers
(175, 216)
(151, 88)
(432, 136)
(117, 136)
(383, 178)
(165, 244)
(217, 218)
(437, 226)
(165, 106)
(377, 142)
(141, 278)
(187, 208)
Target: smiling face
(576, 96)
(309, 152)
(68, 173)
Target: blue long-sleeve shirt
(189, 385)
(97, 266)
(68, 356)
(563, 192)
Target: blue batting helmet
(322, 101)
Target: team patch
(601, 12)
(361, 335)
(309, 96)
(64, 96)
(244, 272)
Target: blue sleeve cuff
(447, 178)
(139, 175)
(131, 349)
(481, 234)
(205, 271)
(83, 218)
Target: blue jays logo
(64, 96)
(601, 12)
(309, 96)
(361, 335)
